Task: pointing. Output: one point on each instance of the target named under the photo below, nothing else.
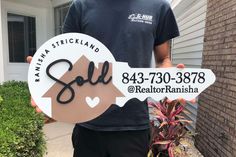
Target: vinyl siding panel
(188, 47)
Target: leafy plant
(20, 126)
(1, 99)
(170, 128)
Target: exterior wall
(56, 3)
(46, 8)
(1, 47)
(217, 105)
(188, 48)
(33, 3)
(43, 12)
(179, 6)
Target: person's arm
(166, 30)
(33, 104)
(162, 58)
(162, 55)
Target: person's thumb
(29, 59)
(181, 66)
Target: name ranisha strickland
(75, 41)
(59, 43)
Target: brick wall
(216, 121)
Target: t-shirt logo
(141, 18)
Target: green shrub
(20, 126)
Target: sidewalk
(58, 138)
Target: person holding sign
(131, 30)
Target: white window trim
(9, 7)
(2, 75)
(19, 70)
(22, 20)
(56, 3)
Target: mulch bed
(187, 149)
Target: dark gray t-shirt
(130, 29)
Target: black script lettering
(79, 80)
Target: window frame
(8, 46)
(58, 22)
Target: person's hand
(33, 104)
(181, 100)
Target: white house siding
(43, 12)
(1, 47)
(187, 48)
(56, 3)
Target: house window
(60, 15)
(21, 37)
